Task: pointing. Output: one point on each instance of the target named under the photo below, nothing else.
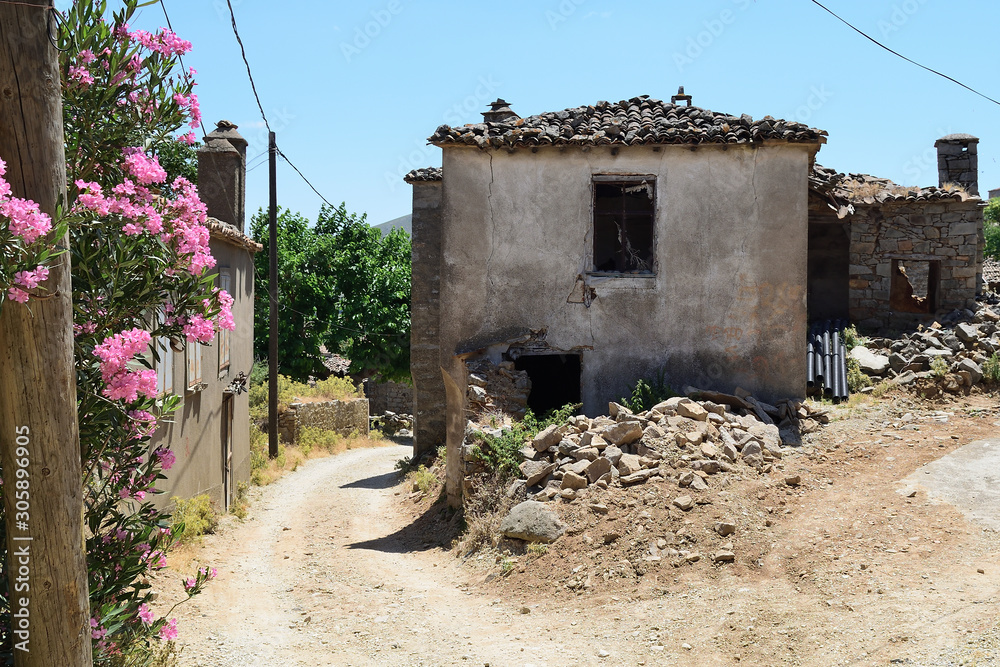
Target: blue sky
(354, 89)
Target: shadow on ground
(383, 481)
(435, 528)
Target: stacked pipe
(826, 360)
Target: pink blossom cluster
(165, 42)
(200, 329)
(180, 222)
(226, 320)
(81, 74)
(115, 352)
(190, 104)
(26, 280)
(167, 458)
(147, 170)
(25, 220)
(146, 614)
(169, 630)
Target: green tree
(341, 285)
(991, 228)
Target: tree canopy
(342, 285)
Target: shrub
(939, 367)
(502, 454)
(423, 479)
(193, 518)
(312, 437)
(856, 378)
(646, 395)
(853, 339)
(240, 504)
(991, 369)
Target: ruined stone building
(594, 246)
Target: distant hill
(404, 221)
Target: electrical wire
(900, 55)
(285, 158)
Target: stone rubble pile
(391, 423)
(689, 441)
(947, 356)
(495, 389)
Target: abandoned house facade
(210, 432)
(592, 247)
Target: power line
(246, 62)
(900, 55)
(285, 157)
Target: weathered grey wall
(429, 403)
(345, 418)
(388, 396)
(727, 304)
(197, 434)
(950, 232)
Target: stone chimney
(958, 161)
(499, 112)
(222, 172)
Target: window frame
(225, 336)
(163, 363)
(623, 180)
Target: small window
(624, 212)
(914, 286)
(225, 336)
(192, 355)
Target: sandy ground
(336, 565)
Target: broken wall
(938, 245)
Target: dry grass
(485, 508)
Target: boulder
(571, 480)
(613, 454)
(974, 370)
(598, 469)
(870, 362)
(532, 521)
(546, 438)
(967, 333)
(622, 433)
(629, 464)
(691, 410)
(535, 471)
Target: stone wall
(945, 235)
(497, 388)
(429, 400)
(389, 397)
(342, 417)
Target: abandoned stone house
(210, 433)
(594, 246)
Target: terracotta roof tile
(640, 120)
(423, 175)
(228, 233)
(866, 189)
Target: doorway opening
(555, 380)
(914, 285)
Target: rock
(571, 480)
(579, 467)
(698, 483)
(974, 370)
(684, 503)
(669, 406)
(897, 362)
(724, 528)
(622, 433)
(639, 477)
(568, 494)
(905, 378)
(708, 467)
(546, 438)
(653, 433)
(790, 437)
(770, 437)
(753, 454)
(529, 453)
(533, 522)
(709, 451)
(724, 556)
(598, 508)
(629, 464)
(598, 469)
(685, 479)
(535, 471)
(793, 480)
(614, 409)
(691, 410)
(730, 452)
(610, 538)
(598, 443)
(613, 454)
(586, 453)
(967, 333)
(870, 362)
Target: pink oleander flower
(169, 631)
(86, 56)
(82, 74)
(147, 170)
(225, 319)
(31, 279)
(96, 632)
(188, 138)
(167, 458)
(115, 352)
(189, 584)
(26, 219)
(199, 329)
(17, 294)
(146, 614)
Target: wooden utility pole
(39, 436)
(272, 297)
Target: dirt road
(329, 569)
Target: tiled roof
(640, 120)
(228, 233)
(423, 175)
(865, 189)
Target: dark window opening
(555, 380)
(914, 286)
(623, 226)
